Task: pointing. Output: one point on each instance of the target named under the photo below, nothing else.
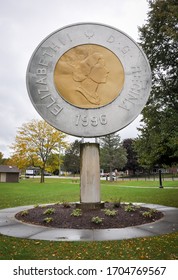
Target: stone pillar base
(89, 173)
(90, 205)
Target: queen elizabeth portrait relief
(89, 76)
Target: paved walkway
(12, 227)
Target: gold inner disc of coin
(89, 76)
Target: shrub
(97, 220)
(49, 211)
(149, 214)
(109, 212)
(129, 208)
(24, 213)
(48, 220)
(153, 211)
(66, 204)
(117, 203)
(36, 206)
(76, 212)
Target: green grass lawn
(31, 192)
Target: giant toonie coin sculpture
(88, 79)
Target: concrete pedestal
(89, 176)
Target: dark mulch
(62, 217)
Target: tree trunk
(42, 175)
(110, 174)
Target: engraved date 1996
(85, 120)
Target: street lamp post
(160, 180)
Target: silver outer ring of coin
(93, 122)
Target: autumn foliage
(35, 142)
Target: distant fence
(149, 177)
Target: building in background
(9, 174)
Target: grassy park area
(31, 192)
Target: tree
(54, 163)
(3, 161)
(132, 160)
(72, 158)
(112, 153)
(157, 143)
(1, 158)
(35, 143)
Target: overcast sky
(25, 23)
